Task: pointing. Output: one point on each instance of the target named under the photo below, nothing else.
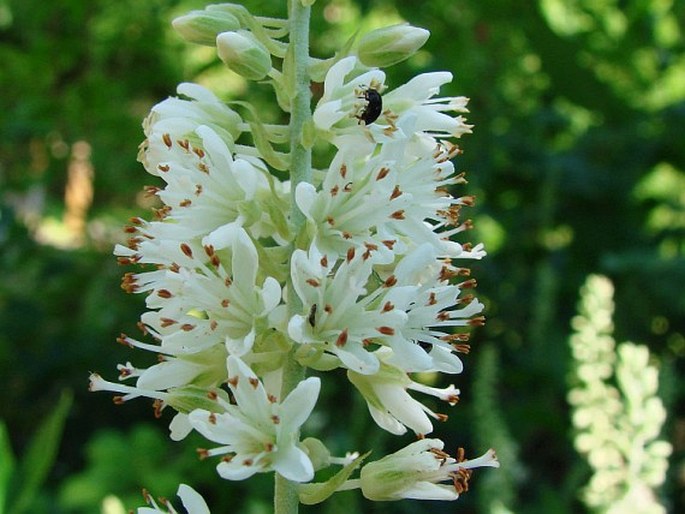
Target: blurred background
(578, 164)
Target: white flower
(200, 312)
(391, 406)
(341, 98)
(191, 499)
(258, 433)
(175, 119)
(416, 472)
(207, 189)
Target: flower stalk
(286, 499)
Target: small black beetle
(374, 106)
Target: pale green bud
(243, 54)
(202, 27)
(390, 45)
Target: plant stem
(286, 500)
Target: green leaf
(40, 456)
(311, 494)
(7, 464)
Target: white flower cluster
(375, 273)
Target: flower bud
(202, 27)
(243, 54)
(390, 45)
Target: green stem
(286, 500)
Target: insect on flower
(312, 316)
(374, 106)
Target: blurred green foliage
(577, 161)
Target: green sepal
(247, 20)
(188, 398)
(311, 494)
(308, 134)
(262, 140)
(313, 356)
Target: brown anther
(452, 399)
(350, 254)
(212, 395)
(367, 341)
(167, 140)
(467, 247)
(390, 281)
(313, 282)
(202, 453)
(441, 417)
(151, 190)
(123, 339)
(187, 250)
(382, 173)
(185, 203)
(465, 300)
(468, 284)
(443, 316)
(398, 215)
(213, 325)
(389, 243)
(212, 418)
(227, 458)
(464, 348)
(275, 419)
(203, 167)
(125, 372)
(130, 230)
(342, 339)
(387, 331)
(324, 261)
(334, 190)
(225, 303)
(163, 167)
(343, 170)
(248, 462)
(387, 307)
(254, 382)
(271, 398)
(396, 193)
(467, 225)
(233, 381)
(209, 250)
(164, 293)
(167, 322)
(198, 189)
(460, 456)
(269, 447)
(431, 299)
(478, 321)
(330, 220)
(440, 454)
(184, 143)
(199, 152)
(187, 327)
(174, 268)
(228, 281)
(328, 308)
(468, 200)
(157, 407)
(346, 234)
(142, 327)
